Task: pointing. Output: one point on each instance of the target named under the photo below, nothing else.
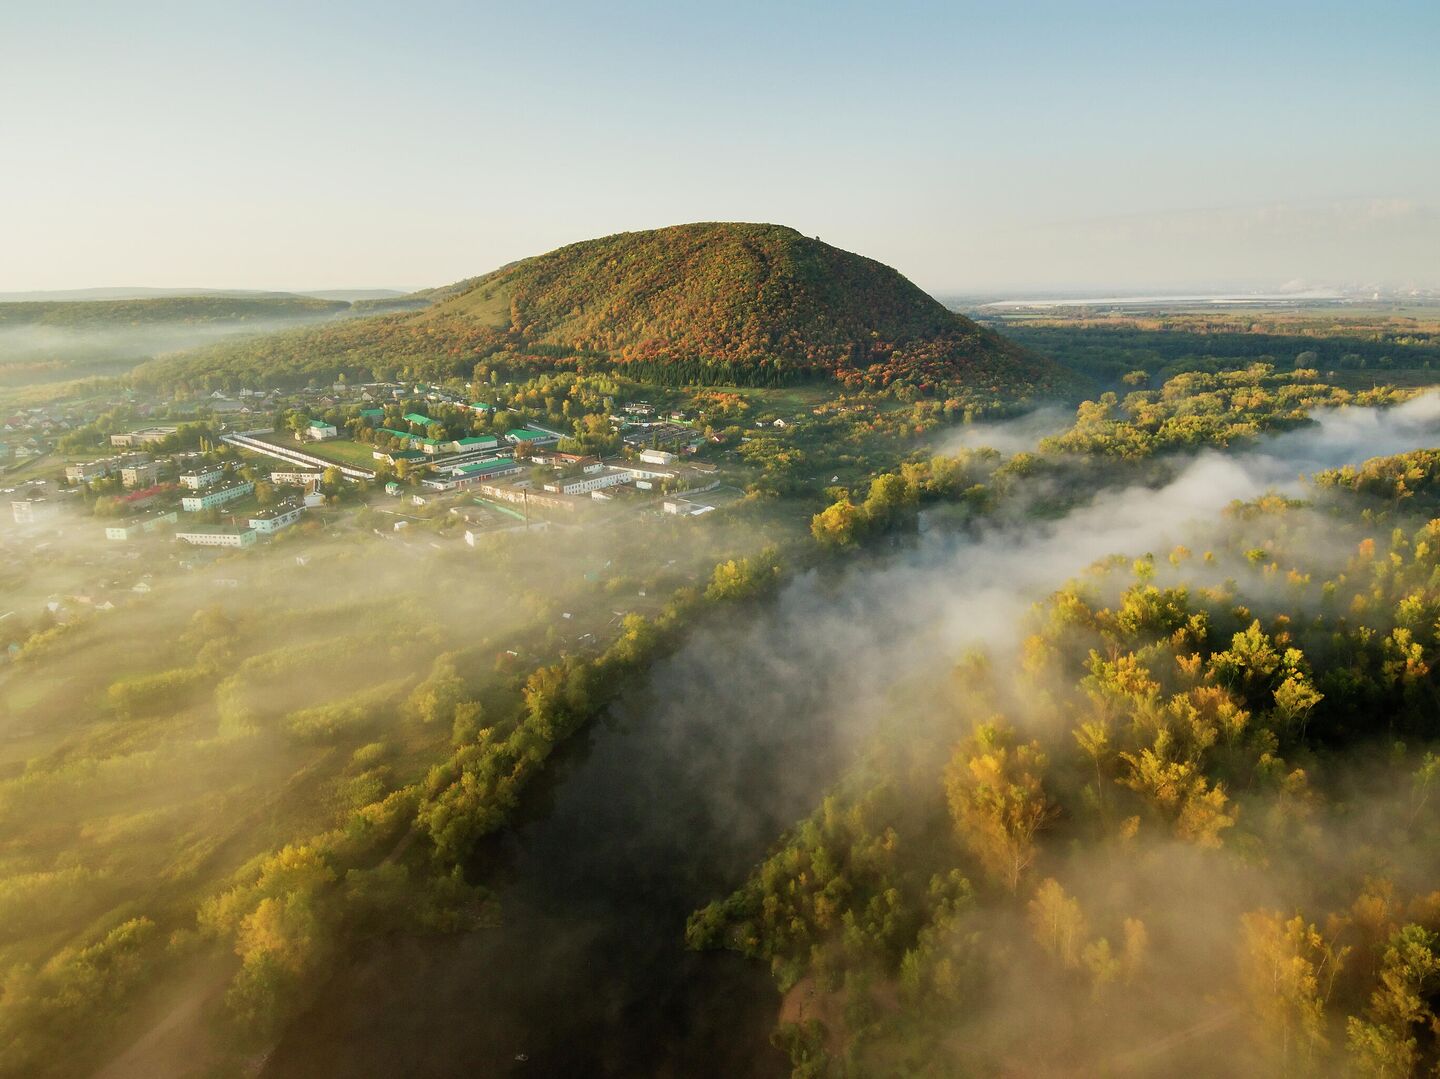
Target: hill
(712, 303)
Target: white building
(320, 431)
(684, 507)
(201, 477)
(585, 484)
(143, 437)
(89, 470)
(146, 475)
(218, 497)
(646, 472)
(297, 479)
(28, 511)
(136, 526)
(658, 457)
(268, 522)
(218, 537)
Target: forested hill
(699, 304)
(719, 291)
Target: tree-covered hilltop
(715, 291)
(713, 303)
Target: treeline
(1105, 351)
(99, 314)
(1198, 409)
(1012, 878)
(292, 914)
(895, 499)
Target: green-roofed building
(481, 406)
(496, 466)
(476, 442)
(420, 418)
(528, 434)
(372, 413)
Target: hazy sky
(975, 146)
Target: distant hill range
(712, 303)
(81, 295)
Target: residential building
(297, 478)
(530, 434)
(131, 527)
(143, 437)
(478, 471)
(88, 471)
(202, 477)
(217, 537)
(394, 457)
(268, 522)
(646, 472)
(205, 500)
(28, 511)
(595, 482)
(520, 495)
(140, 476)
(475, 442)
(685, 507)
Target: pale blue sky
(976, 147)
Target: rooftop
(492, 465)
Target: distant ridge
(82, 295)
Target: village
(400, 462)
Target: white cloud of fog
(856, 636)
(76, 349)
(1011, 436)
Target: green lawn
(342, 451)
(345, 452)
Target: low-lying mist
(48, 353)
(881, 640)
